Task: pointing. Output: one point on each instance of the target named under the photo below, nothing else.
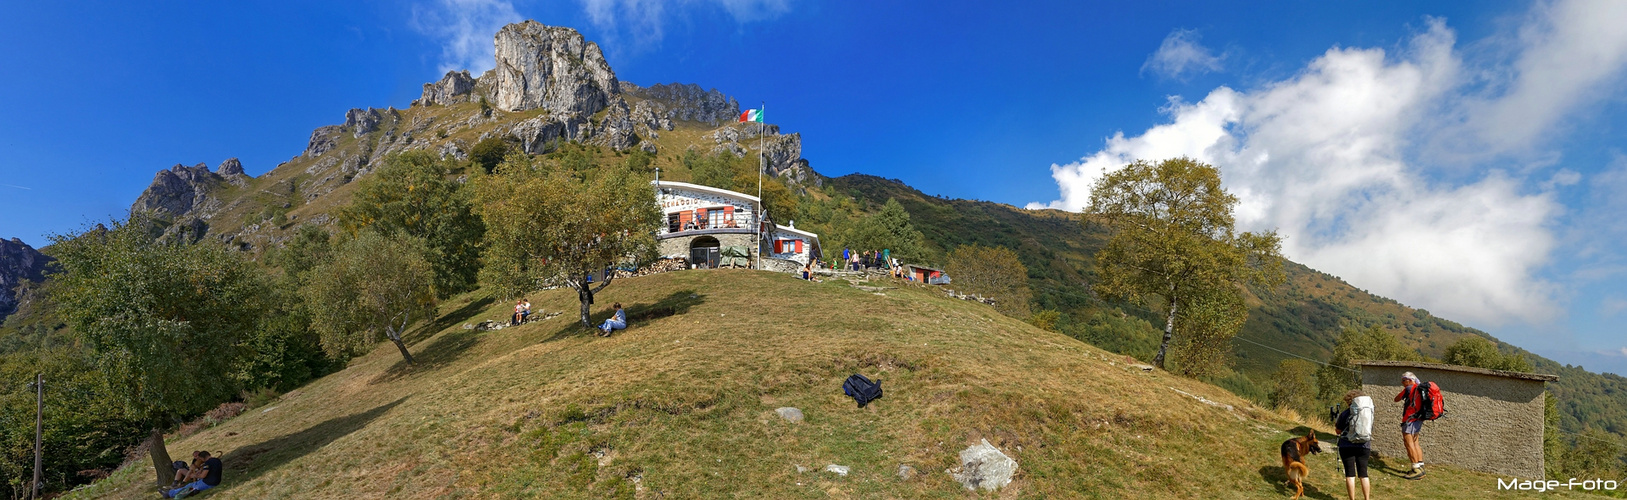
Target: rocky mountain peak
(230, 167)
(177, 191)
(453, 88)
(686, 101)
(18, 262)
(551, 68)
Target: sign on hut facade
(706, 226)
(1493, 422)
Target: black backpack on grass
(862, 389)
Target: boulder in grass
(790, 414)
(984, 466)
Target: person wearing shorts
(1353, 455)
(1411, 423)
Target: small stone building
(1493, 421)
(701, 220)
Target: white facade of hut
(700, 220)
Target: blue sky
(1464, 157)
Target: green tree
(83, 430)
(1354, 344)
(718, 169)
(1478, 352)
(1046, 319)
(1553, 443)
(640, 161)
(164, 321)
(888, 228)
(993, 272)
(1593, 453)
(1293, 386)
(559, 226)
(376, 285)
(286, 350)
(1173, 238)
(489, 152)
(1208, 325)
(412, 194)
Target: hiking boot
(1416, 474)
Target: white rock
(789, 413)
(840, 470)
(984, 466)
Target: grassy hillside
(1304, 316)
(681, 405)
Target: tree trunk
(585, 295)
(1169, 332)
(403, 348)
(396, 338)
(160, 455)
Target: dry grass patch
(681, 404)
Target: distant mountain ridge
(1303, 317)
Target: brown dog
(1293, 460)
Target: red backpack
(1431, 406)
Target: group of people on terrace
(867, 260)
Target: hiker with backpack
(1423, 402)
(1355, 426)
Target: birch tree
(1173, 239)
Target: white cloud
(1568, 53)
(641, 23)
(1330, 158)
(1180, 56)
(465, 29)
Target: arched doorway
(703, 252)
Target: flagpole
(762, 130)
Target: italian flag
(752, 115)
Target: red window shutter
(779, 246)
(683, 219)
(799, 246)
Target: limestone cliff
(551, 68)
(18, 262)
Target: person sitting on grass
(525, 310)
(617, 321)
(204, 476)
(182, 473)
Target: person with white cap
(1412, 422)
